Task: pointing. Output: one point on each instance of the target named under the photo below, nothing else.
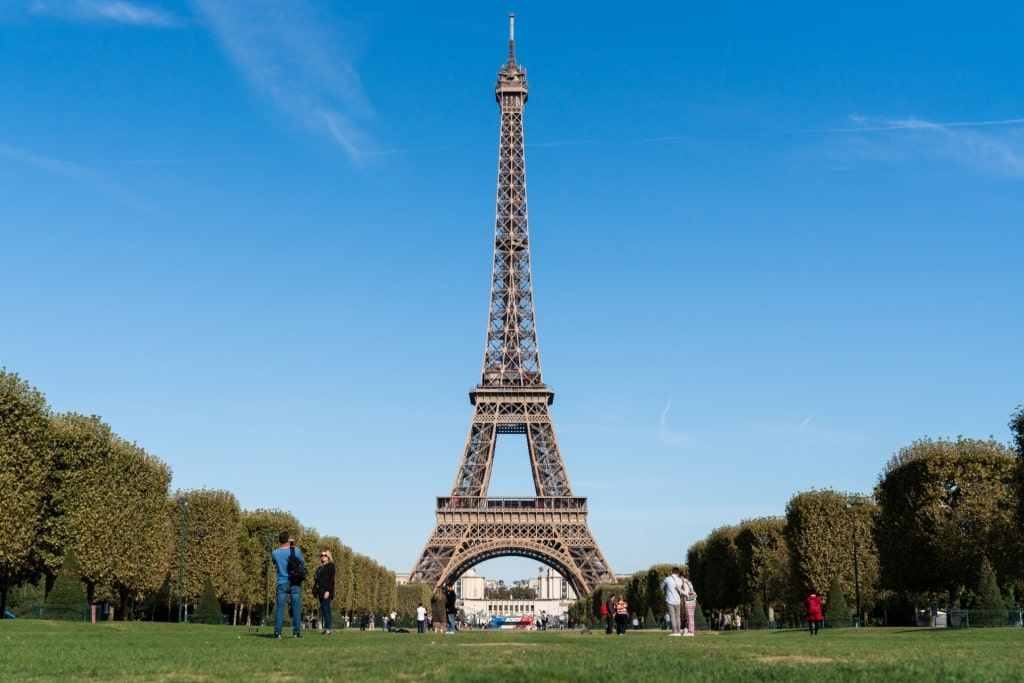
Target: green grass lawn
(46, 651)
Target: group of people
(679, 591)
(679, 594)
(289, 589)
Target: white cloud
(118, 11)
(992, 145)
(76, 173)
(296, 60)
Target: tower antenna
(511, 38)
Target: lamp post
(764, 571)
(266, 576)
(852, 506)
(183, 504)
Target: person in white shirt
(421, 619)
(673, 587)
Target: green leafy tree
(142, 532)
(716, 571)
(257, 538)
(989, 608)
(26, 462)
(211, 543)
(837, 611)
(822, 528)
(84, 508)
(208, 610)
(944, 506)
(1017, 428)
(764, 558)
(67, 598)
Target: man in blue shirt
(285, 589)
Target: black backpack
(296, 570)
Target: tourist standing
(689, 602)
(421, 619)
(814, 616)
(449, 606)
(608, 609)
(621, 616)
(285, 589)
(323, 587)
(673, 587)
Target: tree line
(944, 525)
(70, 486)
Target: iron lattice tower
(550, 526)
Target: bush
(208, 611)
(837, 612)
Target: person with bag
(689, 602)
(814, 616)
(608, 610)
(673, 586)
(291, 572)
(323, 587)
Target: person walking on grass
(814, 616)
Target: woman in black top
(323, 587)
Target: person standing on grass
(449, 606)
(673, 586)
(689, 601)
(621, 616)
(814, 616)
(421, 619)
(285, 589)
(609, 611)
(323, 587)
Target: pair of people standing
(290, 590)
(679, 590)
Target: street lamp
(852, 506)
(764, 572)
(181, 562)
(266, 575)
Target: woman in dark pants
(323, 587)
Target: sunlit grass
(44, 651)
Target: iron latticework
(550, 526)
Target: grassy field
(46, 651)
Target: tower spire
(511, 38)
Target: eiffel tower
(551, 525)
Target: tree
(257, 538)
(142, 531)
(26, 462)
(764, 558)
(715, 569)
(990, 610)
(944, 506)
(821, 527)
(211, 542)
(208, 610)
(1017, 427)
(837, 612)
(67, 599)
(83, 511)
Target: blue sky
(771, 246)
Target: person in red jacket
(814, 617)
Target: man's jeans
(284, 591)
(451, 623)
